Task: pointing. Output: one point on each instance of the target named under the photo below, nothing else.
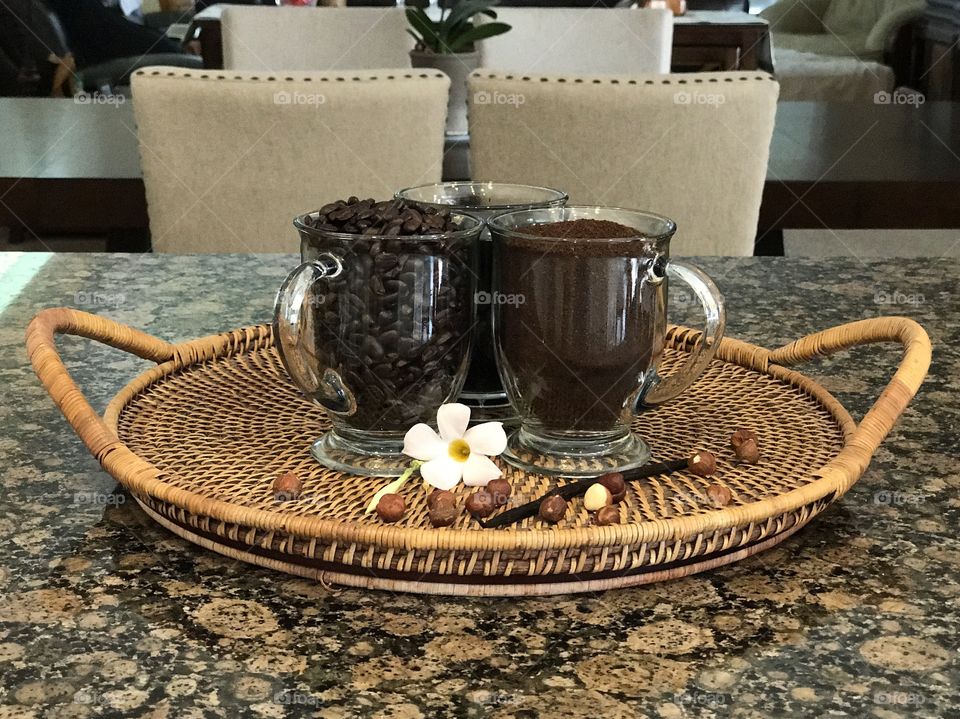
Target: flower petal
(421, 442)
(487, 438)
(452, 420)
(478, 471)
(443, 472)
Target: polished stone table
(104, 613)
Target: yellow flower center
(459, 450)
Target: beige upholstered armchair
(275, 39)
(230, 159)
(857, 28)
(692, 147)
(560, 39)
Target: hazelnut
(596, 497)
(719, 495)
(286, 487)
(553, 508)
(702, 464)
(500, 490)
(391, 507)
(607, 515)
(480, 503)
(613, 481)
(741, 436)
(748, 452)
(442, 508)
(435, 495)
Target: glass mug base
(575, 456)
(368, 454)
(489, 407)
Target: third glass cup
(578, 351)
(483, 390)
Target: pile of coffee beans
(393, 328)
(389, 218)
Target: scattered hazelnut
(596, 497)
(442, 508)
(500, 490)
(748, 452)
(286, 487)
(391, 507)
(607, 515)
(719, 495)
(480, 503)
(702, 464)
(553, 508)
(435, 495)
(613, 481)
(741, 436)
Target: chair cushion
(827, 44)
(849, 17)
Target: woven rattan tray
(199, 438)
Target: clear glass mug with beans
(579, 352)
(377, 326)
(483, 390)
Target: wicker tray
(199, 438)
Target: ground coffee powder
(575, 348)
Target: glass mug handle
(295, 318)
(662, 390)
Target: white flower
(457, 452)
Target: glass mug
(482, 390)
(378, 331)
(579, 348)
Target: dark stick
(568, 491)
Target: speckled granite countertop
(104, 613)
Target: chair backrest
(230, 159)
(580, 40)
(691, 147)
(278, 39)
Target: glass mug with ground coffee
(376, 325)
(579, 355)
(482, 390)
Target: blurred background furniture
(861, 166)
(329, 38)
(694, 147)
(940, 63)
(591, 40)
(73, 170)
(863, 29)
(228, 161)
(808, 76)
(717, 40)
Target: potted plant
(448, 44)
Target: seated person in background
(97, 34)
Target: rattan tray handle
(56, 379)
(879, 420)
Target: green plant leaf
(480, 32)
(426, 28)
(463, 11)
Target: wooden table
(713, 40)
(71, 168)
(68, 168)
(861, 166)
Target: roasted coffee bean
(393, 350)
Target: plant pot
(456, 66)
